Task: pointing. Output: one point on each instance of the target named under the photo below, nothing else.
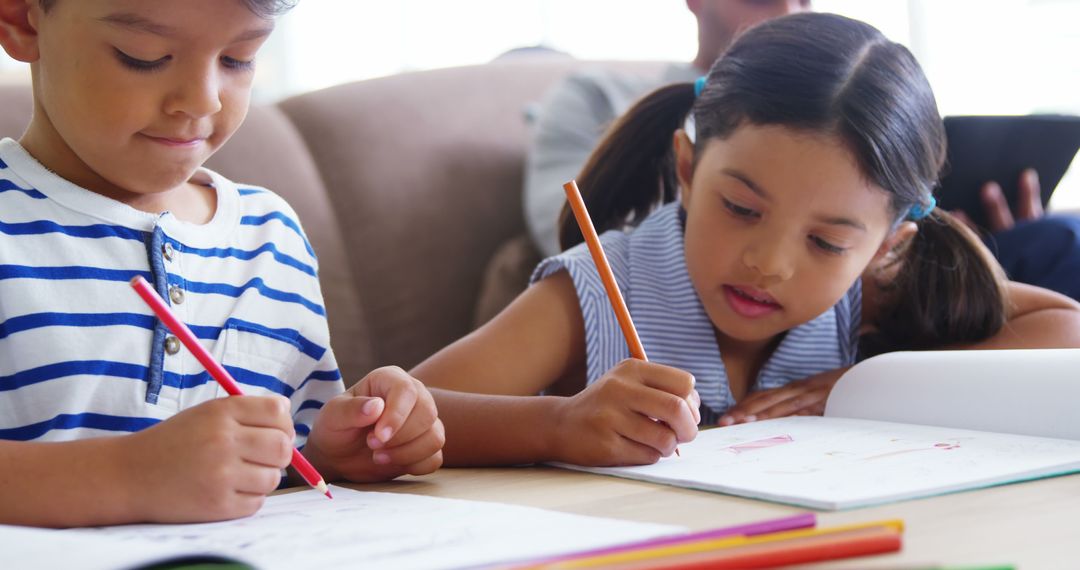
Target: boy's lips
(174, 140)
(750, 302)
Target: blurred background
(982, 56)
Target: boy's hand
(384, 426)
(635, 414)
(804, 397)
(215, 461)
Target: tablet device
(999, 148)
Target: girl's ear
(895, 243)
(18, 29)
(684, 163)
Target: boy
(130, 98)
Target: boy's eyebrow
(831, 220)
(141, 24)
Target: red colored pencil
(592, 240)
(847, 544)
(217, 371)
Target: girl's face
(779, 226)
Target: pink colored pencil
(793, 522)
(217, 371)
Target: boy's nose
(771, 260)
(196, 94)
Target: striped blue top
(81, 355)
(650, 266)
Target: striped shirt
(82, 356)
(650, 266)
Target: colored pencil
(794, 522)
(217, 371)
(592, 241)
(858, 542)
(712, 544)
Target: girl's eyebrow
(747, 181)
(830, 220)
(139, 23)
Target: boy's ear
(18, 34)
(684, 163)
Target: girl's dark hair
(261, 8)
(818, 73)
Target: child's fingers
(673, 411)
(413, 451)
(260, 411)
(264, 446)
(694, 399)
(420, 420)
(257, 479)
(400, 399)
(812, 401)
(346, 412)
(656, 435)
(631, 452)
(425, 466)
(658, 376)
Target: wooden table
(1031, 525)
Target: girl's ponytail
(630, 172)
(948, 290)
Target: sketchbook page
(838, 463)
(25, 547)
(1026, 392)
(388, 530)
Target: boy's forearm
(497, 430)
(66, 484)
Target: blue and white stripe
(82, 356)
(650, 265)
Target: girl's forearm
(1045, 328)
(65, 484)
(484, 430)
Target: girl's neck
(743, 360)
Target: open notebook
(354, 530)
(898, 426)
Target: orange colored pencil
(577, 205)
(592, 240)
(217, 371)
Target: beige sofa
(407, 186)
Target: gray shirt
(570, 122)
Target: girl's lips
(750, 303)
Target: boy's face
(131, 96)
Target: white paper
(837, 463)
(353, 530)
(1026, 392)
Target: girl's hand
(215, 461)
(799, 398)
(384, 426)
(636, 414)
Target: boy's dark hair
(261, 8)
(818, 73)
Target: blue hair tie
(919, 211)
(699, 86)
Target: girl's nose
(771, 259)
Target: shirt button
(167, 251)
(172, 344)
(176, 295)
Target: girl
(797, 233)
